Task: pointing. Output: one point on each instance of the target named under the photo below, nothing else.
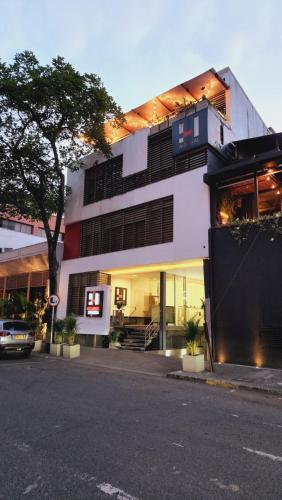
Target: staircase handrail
(151, 331)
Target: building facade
(137, 224)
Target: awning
(27, 259)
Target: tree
(45, 112)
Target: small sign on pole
(53, 301)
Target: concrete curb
(227, 384)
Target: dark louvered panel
(189, 161)
(2, 284)
(167, 222)
(103, 181)
(160, 159)
(105, 234)
(154, 233)
(134, 181)
(116, 232)
(89, 185)
(77, 285)
(146, 224)
(219, 102)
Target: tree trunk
(53, 268)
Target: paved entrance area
(147, 363)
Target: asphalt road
(68, 432)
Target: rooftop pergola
(161, 107)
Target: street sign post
(53, 301)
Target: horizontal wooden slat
(141, 225)
(76, 291)
(105, 180)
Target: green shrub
(115, 335)
(192, 331)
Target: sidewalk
(265, 380)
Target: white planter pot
(114, 345)
(56, 349)
(37, 346)
(71, 351)
(193, 363)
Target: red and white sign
(53, 300)
(94, 303)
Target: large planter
(71, 351)
(37, 345)
(193, 363)
(56, 349)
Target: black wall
(247, 297)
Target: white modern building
(137, 224)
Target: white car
(16, 336)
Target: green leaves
(44, 111)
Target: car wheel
(26, 354)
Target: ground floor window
(145, 300)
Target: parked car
(16, 336)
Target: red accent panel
(72, 241)
(186, 133)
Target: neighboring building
(25, 271)
(246, 265)
(17, 232)
(137, 225)
(23, 256)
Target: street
(72, 432)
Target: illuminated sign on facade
(94, 303)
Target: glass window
(269, 193)
(16, 326)
(236, 201)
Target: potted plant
(193, 361)
(114, 336)
(57, 347)
(71, 349)
(40, 327)
(40, 334)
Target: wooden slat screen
(160, 159)
(105, 180)
(78, 283)
(39, 279)
(17, 281)
(219, 102)
(141, 225)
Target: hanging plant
(240, 229)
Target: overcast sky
(141, 48)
